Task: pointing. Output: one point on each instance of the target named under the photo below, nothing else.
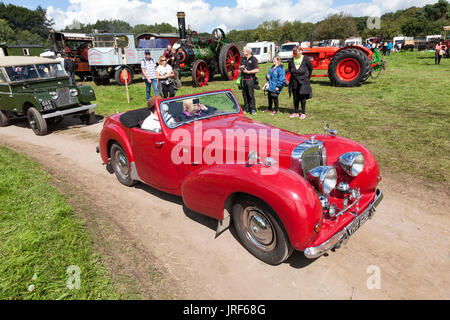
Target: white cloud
(378, 7)
(203, 17)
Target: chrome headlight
(352, 163)
(53, 94)
(73, 92)
(323, 178)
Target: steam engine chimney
(181, 25)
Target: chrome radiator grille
(65, 98)
(308, 155)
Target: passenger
(192, 108)
(152, 121)
(188, 111)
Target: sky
(205, 15)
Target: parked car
(308, 193)
(39, 89)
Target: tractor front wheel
(200, 73)
(349, 68)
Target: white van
(353, 41)
(264, 51)
(285, 51)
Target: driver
(152, 122)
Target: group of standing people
(300, 69)
(385, 47)
(162, 76)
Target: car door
(152, 154)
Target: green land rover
(39, 89)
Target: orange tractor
(349, 66)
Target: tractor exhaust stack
(181, 24)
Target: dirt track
(408, 238)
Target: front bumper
(338, 238)
(70, 111)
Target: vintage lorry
(75, 46)
(111, 53)
(39, 89)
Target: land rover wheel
(4, 121)
(120, 165)
(36, 121)
(260, 230)
(88, 118)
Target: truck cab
(285, 51)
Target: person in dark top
(176, 68)
(249, 69)
(168, 54)
(300, 68)
(70, 67)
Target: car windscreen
(177, 112)
(35, 72)
(286, 48)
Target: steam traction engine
(207, 57)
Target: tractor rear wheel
(229, 62)
(349, 68)
(200, 73)
(123, 79)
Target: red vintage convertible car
(282, 191)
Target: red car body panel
(205, 188)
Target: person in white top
(165, 76)
(152, 121)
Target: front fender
(287, 193)
(113, 132)
(365, 50)
(86, 94)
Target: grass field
(402, 117)
(41, 238)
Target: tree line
(411, 22)
(19, 25)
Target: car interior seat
(134, 118)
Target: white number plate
(360, 220)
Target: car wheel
(4, 121)
(260, 230)
(36, 121)
(120, 165)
